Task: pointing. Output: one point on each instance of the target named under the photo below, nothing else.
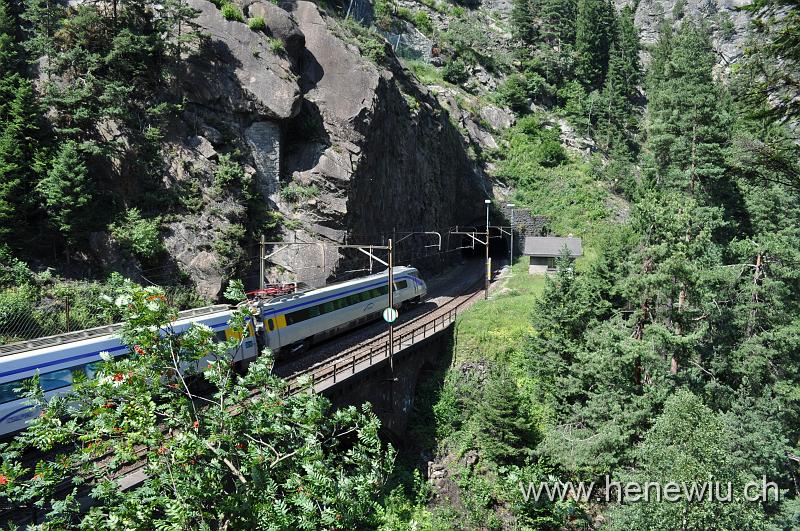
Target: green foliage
(423, 22)
(229, 176)
(276, 46)
(229, 246)
(771, 65)
(138, 235)
(469, 42)
(518, 90)
(250, 457)
(506, 434)
(523, 22)
(231, 12)
(726, 26)
(617, 124)
(455, 71)
(66, 189)
(594, 34)
(371, 44)
(257, 24)
(688, 443)
(427, 74)
(294, 193)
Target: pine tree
(523, 24)
(506, 434)
(557, 22)
(17, 147)
(689, 443)
(689, 124)
(66, 190)
(18, 125)
(617, 125)
(594, 34)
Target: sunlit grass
(497, 328)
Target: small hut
(544, 250)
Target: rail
(368, 355)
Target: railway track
(373, 351)
(320, 376)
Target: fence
(372, 353)
(30, 312)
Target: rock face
(727, 24)
(236, 69)
(264, 140)
(370, 149)
(381, 150)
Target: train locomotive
(285, 324)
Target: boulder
(496, 117)
(235, 69)
(202, 146)
(280, 23)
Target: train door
(272, 331)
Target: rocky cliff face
(370, 148)
(727, 23)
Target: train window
(7, 393)
(403, 284)
(340, 303)
(220, 337)
(271, 324)
(91, 369)
(353, 299)
(314, 311)
(328, 307)
(56, 379)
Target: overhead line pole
(367, 250)
(488, 263)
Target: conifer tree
(557, 22)
(689, 443)
(65, 190)
(594, 34)
(523, 24)
(18, 125)
(617, 125)
(689, 123)
(507, 434)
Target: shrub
(228, 174)
(455, 71)
(295, 192)
(138, 235)
(425, 72)
(276, 46)
(231, 12)
(257, 24)
(513, 94)
(423, 22)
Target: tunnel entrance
(498, 246)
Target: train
(287, 324)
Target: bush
(276, 46)
(138, 235)
(455, 71)
(229, 174)
(295, 192)
(257, 24)
(513, 94)
(423, 22)
(231, 12)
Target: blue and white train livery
(59, 359)
(298, 320)
(286, 324)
